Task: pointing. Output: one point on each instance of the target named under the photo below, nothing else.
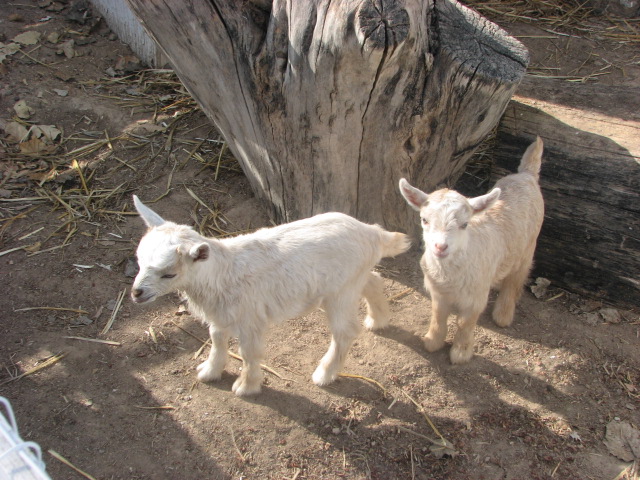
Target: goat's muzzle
(138, 296)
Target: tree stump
(326, 104)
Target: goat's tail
(394, 243)
(532, 159)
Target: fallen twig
(58, 309)
(233, 439)
(96, 340)
(114, 313)
(59, 457)
(47, 363)
(159, 407)
(370, 380)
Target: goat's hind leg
(378, 312)
(510, 291)
(211, 369)
(251, 349)
(344, 325)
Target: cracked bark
(327, 103)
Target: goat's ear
(199, 252)
(151, 218)
(414, 197)
(485, 201)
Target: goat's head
(165, 255)
(445, 215)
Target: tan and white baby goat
(240, 285)
(474, 244)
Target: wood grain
(590, 178)
(326, 104)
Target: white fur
(241, 285)
(472, 245)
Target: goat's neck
(442, 270)
(208, 280)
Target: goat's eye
(464, 225)
(425, 221)
(169, 275)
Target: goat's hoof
(501, 319)
(371, 323)
(432, 344)
(321, 378)
(459, 355)
(503, 311)
(242, 388)
(207, 373)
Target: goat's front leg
(462, 349)
(251, 349)
(344, 325)
(440, 311)
(211, 369)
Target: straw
(59, 457)
(107, 327)
(52, 360)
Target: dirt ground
(534, 402)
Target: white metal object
(19, 460)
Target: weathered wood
(326, 104)
(122, 21)
(590, 178)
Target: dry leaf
(34, 247)
(128, 64)
(610, 315)
(55, 7)
(8, 49)
(53, 37)
(35, 145)
(67, 49)
(49, 132)
(23, 110)
(623, 440)
(540, 288)
(62, 93)
(445, 448)
(28, 38)
(16, 131)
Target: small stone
(82, 320)
(610, 315)
(131, 268)
(335, 430)
(540, 288)
(591, 319)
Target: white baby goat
(474, 244)
(240, 285)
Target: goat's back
(288, 267)
(516, 220)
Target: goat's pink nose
(441, 247)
